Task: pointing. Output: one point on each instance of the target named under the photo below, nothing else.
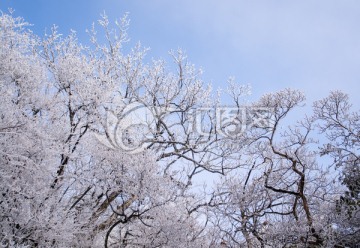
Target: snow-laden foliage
(60, 187)
(71, 175)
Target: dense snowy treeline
(77, 169)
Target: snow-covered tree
(99, 148)
(341, 127)
(284, 195)
(61, 187)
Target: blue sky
(311, 45)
